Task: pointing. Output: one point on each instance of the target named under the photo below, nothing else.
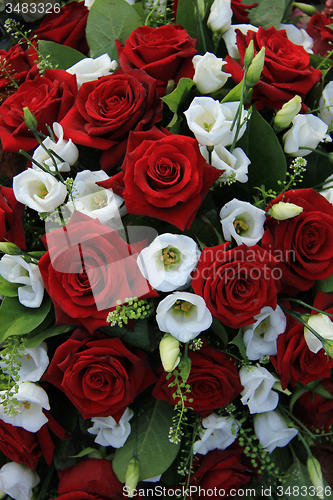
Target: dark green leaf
(52, 331)
(296, 477)
(318, 168)
(179, 95)
(239, 342)
(16, 319)
(8, 289)
(325, 286)
(139, 8)
(60, 56)
(108, 22)
(220, 331)
(267, 13)
(186, 17)
(268, 162)
(142, 335)
(154, 450)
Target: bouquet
(166, 227)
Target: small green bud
(29, 119)
(169, 352)
(315, 474)
(306, 8)
(255, 69)
(287, 113)
(132, 476)
(249, 53)
(10, 248)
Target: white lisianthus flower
(243, 222)
(34, 362)
(323, 325)
(15, 270)
(210, 121)
(234, 164)
(257, 393)
(307, 131)
(30, 415)
(260, 337)
(39, 190)
(230, 37)
(184, 315)
(326, 113)
(168, 261)
(284, 211)
(218, 433)
(17, 481)
(65, 149)
(272, 431)
(298, 36)
(208, 75)
(220, 16)
(93, 200)
(108, 432)
(327, 190)
(89, 69)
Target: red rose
(286, 71)
(303, 243)
(106, 110)
(11, 218)
(320, 29)
(294, 361)
(164, 176)
(19, 445)
(236, 284)
(17, 63)
(100, 377)
(240, 10)
(315, 410)
(90, 480)
(214, 382)
(87, 268)
(48, 97)
(67, 27)
(165, 53)
(218, 474)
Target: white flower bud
(284, 211)
(272, 431)
(132, 476)
(255, 69)
(287, 113)
(169, 352)
(326, 103)
(208, 75)
(316, 475)
(219, 19)
(323, 325)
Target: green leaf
(16, 319)
(60, 56)
(8, 289)
(179, 96)
(187, 17)
(92, 452)
(108, 22)
(143, 335)
(267, 13)
(235, 94)
(154, 450)
(239, 342)
(52, 331)
(268, 163)
(325, 286)
(220, 331)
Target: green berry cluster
(132, 308)
(11, 355)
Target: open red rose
(48, 97)
(164, 53)
(294, 361)
(286, 73)
(320, 29)
(213, 380)
(11, 218)
(107, 109)
(218, 474)
(90, 479)
(164, 176)
(236, 284)
(67, 27)
(315, 410)
(100, 377)
(304, 243)
(87, 268)
(19, 445)
(18, 63)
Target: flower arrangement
(166, 228)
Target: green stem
(199, 22)
(304, 304)
(299, 318)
